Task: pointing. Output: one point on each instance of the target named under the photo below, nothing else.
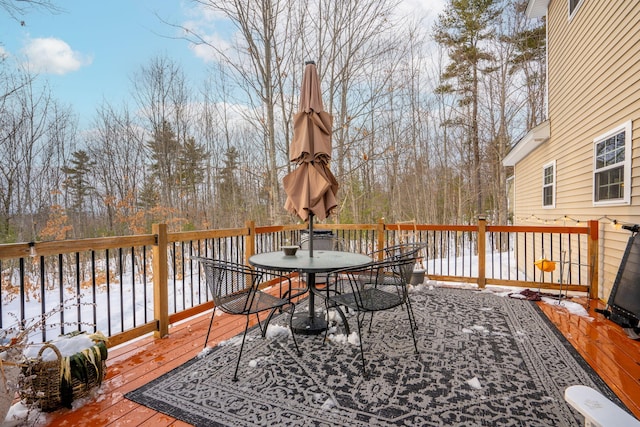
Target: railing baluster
(43, 304)
(133, 287)
(94, 290)
(61, 285)
(144, 282)
(108, 284)
(22, 293)
(78, 292)
(121, 274)
(173, 275)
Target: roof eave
(537, 8)
(532, 140)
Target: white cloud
(54, 56)
(3, 53)
(206, 52)
(207, 24)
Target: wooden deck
(603, 344)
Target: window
(573, 6)
(612, 167)
(549, 185)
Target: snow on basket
(55, 379)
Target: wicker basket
(44, 379)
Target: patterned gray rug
(485, 360)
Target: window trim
(626, 164)
(551, 164)
(573, 12)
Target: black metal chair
(235, 289)
(403, 250)
(406, 251)
(322, 242)
(379, 286)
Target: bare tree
(258, 62)
(17, 9)
(116, 144)
(34, 131)
(529, 41)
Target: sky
(90, 51)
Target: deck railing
(130, 286)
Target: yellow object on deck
(545, 264)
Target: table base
(305, 325)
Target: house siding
(593, 87)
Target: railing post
(160, 281)
(249, 240)
(594, 226)
(482, 252)
(380, 237)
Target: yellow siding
(594, 86)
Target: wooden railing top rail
(55, 247)
(345, 226)
(183, 236)
(538, 229)
(277, 228)
(47, 248)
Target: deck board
(600, 342)
(607, 349)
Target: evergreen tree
(229, 190)
(78, 182)
(192, 165)
(165, 150)
(461, 29)
(148, 197)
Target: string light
(32, 249)
(562, 219)
(615, 223)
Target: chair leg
(364, 369)
(326, 330)
(246, 327)
(293, 334)
(206, 340)
(370, 322)
(267, 321)
(263, 330)
(345, 322)
(412, 326)
(410, 308)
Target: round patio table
(321, 262)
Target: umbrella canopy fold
(311, 188)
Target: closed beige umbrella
(311, 188)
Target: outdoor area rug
(485, 360)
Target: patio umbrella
(311, 188)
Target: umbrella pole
(310, 235)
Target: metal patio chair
(404, 251)
(378, 286)
(235, 289)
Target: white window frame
(545, 185)
(626, 164)
(573, 12)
